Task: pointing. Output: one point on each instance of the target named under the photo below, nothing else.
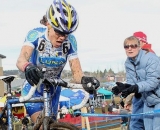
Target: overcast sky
(104, 24)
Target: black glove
(131, 89)
(137, 95)
(33, 74)
(119, 88)
(94, 84)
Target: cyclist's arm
(24, 56)
(76, 70)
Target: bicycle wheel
(62, 126)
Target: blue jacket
(145, 71)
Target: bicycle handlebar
(86, 95)
(29, 95)
(62, 83)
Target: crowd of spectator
(68, 113)
(122, 107)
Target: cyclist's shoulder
(35, 33)
(72, 40)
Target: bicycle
(45, 118)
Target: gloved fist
(33, 74)
(131, 89)
(90, 84)
(119, 88)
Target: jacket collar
(136, 61)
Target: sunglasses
(59, 33)
(133, 46)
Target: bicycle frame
(46, 116)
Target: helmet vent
(57, 22)
(52, 10)
(58, 10)
(72, 13)
(73, 23)
(63, 22)
(65, 13)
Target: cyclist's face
(56, 38)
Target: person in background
(51, 47)
(77, 112)
(71, 111)
(61, 114)
(103, 107)
(113, 103)
(124, 119)
(121, 102)
(142, 74)
(89, 109)
(110, 108)
(128, 107)
(138, 105)
(117, 105)
(68, 116)
(92, 109)
(145, 46)
(143, 41)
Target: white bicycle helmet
(62, 16)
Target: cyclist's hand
(119, 88)
(90, 80)
(33, 74)
(90, 84)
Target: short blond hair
(132, 38)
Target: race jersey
(44, 54)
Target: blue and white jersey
(44, 54)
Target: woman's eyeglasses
(133, 46)
(59, 33)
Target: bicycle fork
(47, 108)
(44, 117)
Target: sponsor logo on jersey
(52, 61)
(32, 35)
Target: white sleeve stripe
(28, 44)
(72, 57)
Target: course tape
(125, 115)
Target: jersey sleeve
(72, 53)
(33, 36)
